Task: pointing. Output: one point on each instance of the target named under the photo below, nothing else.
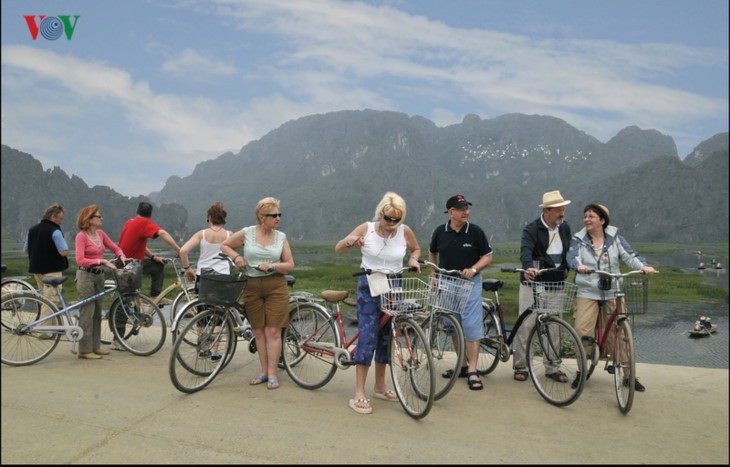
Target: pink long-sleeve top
(88, 253)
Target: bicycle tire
(307, 346)
(490, 344)
(411, 367)
(183, 316)
(191, 367)
(554, 348)
(593, 355)
(138, 324)
(24, 348)
(624, 363)
(16, 286)
(181, 299)
(447, 350)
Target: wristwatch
(473, 270)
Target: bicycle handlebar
(612, 274)
(539, 271)
(447, 272)
(384, 271)
(221, 256)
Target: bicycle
(142, 334)
(206, 330)
(315, 343)
(15, 284)
(183, 297)
(553, 349)
(442, 327)
(618, 352)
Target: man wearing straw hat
(544, 244)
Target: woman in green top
(267, 254)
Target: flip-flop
(521, 375)
(558, 376)
(386, 396)
(259, 379)
(362, 410)
(273, 383)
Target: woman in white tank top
(383, 243)
(209, 240)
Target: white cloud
(195, 65)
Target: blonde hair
(266, 205)
(391, 202)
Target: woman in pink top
(91, 242)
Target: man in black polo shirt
(47, 253)
(461, 245)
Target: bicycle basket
(406, 295)
(636, 300)
(215, 288)
(450, 293)
(553, 297)
(129, 277)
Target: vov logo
(51, 27)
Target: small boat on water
(702, 332)
(703, 327)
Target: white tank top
(208, 253)
(383, 253)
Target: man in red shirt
(133, 241)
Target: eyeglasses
(273, 215)
(97, 215)
(391, 219)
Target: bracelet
(152, 257)
(474, 270)
(237, 256)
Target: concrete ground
(124, 409)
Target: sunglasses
(391, 219)
(273, 215)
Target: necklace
(386, 236)
(216, 230)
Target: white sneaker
(117, 346)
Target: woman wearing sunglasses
(383, 243)
(267, 253)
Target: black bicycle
(555, 356)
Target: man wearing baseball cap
(461, 245)
(544, 244)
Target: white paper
(378, 283)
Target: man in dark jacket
(47, 253)
(544, 244)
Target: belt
(92, 270)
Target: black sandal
(474, 384)
(450, 372)
(558, 376)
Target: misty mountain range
(330, 171)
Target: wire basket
(406, 295)
(636, 300)
(219, 289)
(553, 297)
(129, 277)
(450, 294)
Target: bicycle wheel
(593, 354)
(447, 349)
(624, 361)
(16, 286)
(24, 346)
(137, 324)
(307, 346)
(182, 299)
(490, 344)
(411, 367)
(193, 367)
(555, 359)
(183, 316)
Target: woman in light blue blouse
(267, 254)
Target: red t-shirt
(133, 239)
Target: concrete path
(124, 409)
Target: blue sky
(147, 89)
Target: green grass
(320, 268)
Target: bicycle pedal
(611, 369)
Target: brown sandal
(521, 375)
